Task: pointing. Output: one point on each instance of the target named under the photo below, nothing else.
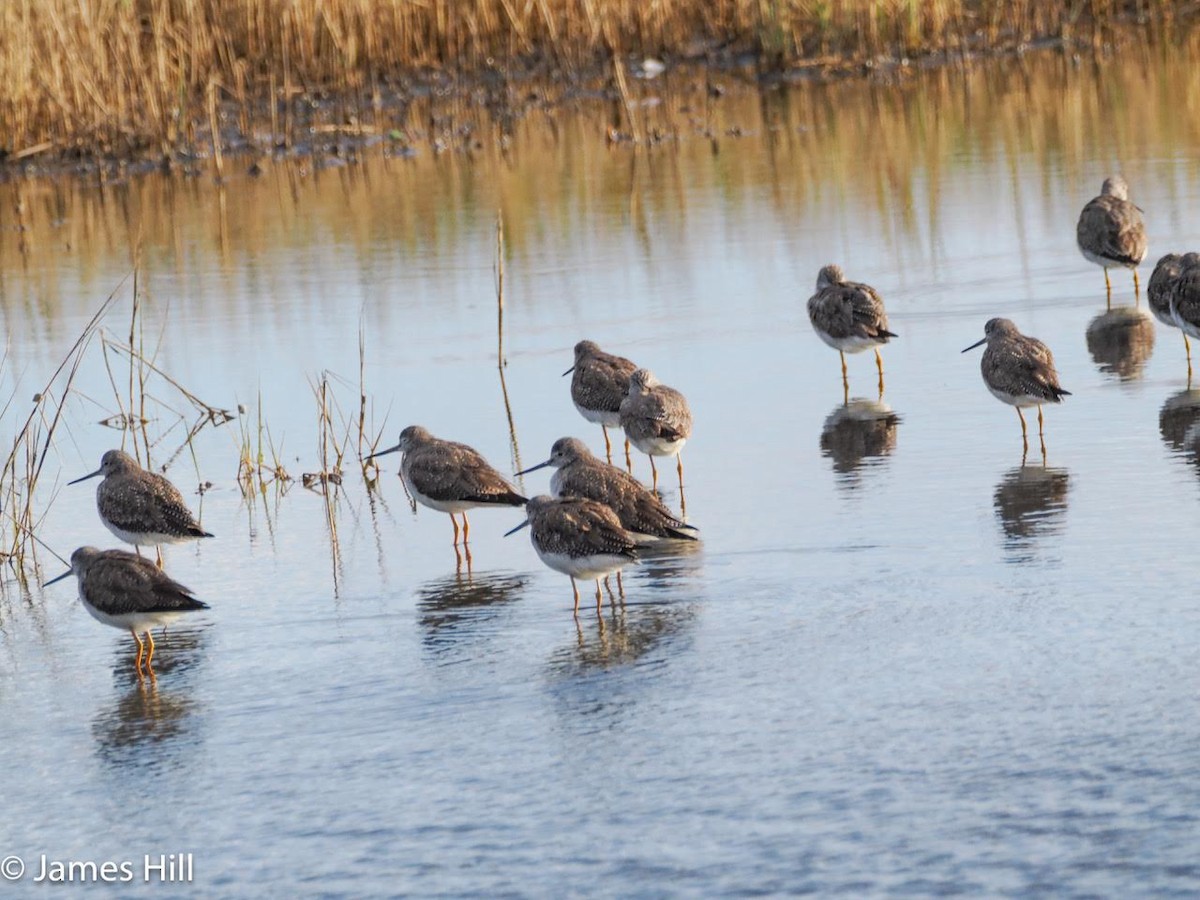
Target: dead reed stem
(500, 361)
(23, 467)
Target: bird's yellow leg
(1137, 288)
(466, 527)
(679, 469)
(1021, 416)
(1041, 421)
(599, 597)
(607, 444)
(158, 560)
(138, 638)
(620, 587)
(1187, 348)
(575, 589)
(628, 458)
(879, 366)
(845, 373)
(654, 472)
(149, 649)
(454, 522)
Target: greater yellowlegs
(1158, 294)
(124, 590)
(578, 537)
(849, 317)
(1185, 300)
(449, 477)
(1111, 232)
(578, 473)
(598, 384)
(656, 420)
(1019, 371)
(141, 507)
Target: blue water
(901, 661)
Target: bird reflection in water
(857, 433)
(153, 722)
(1179, 424)
(622, 636)
(1031, 502)
(1121, 341)
(455, 606)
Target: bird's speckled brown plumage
(117, 583)
(578, 528)
(139, 506)
(1018, 369)
(599, 381)
(656, 418)
(1185, 296)
(1161, 285)
(1110, 231)
(847, 315)
(448, 472)
(579, 473)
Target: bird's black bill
(540, 465)
(518, 528)
(373, 455)
(59, 578)
(569, 371)
(86, 477)
(982, 340)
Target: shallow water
(900, 662)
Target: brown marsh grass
(154, 77)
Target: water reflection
(620, 636)
(1030, 501)
(1121, 341)
(461, 605)
(153, 720)
(858, 433)
(1179, 424)
(663, 564)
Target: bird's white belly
(853, 344)
(583, 566)
(446, 506)
(146, 538)
(1188, 328)
(135, 621)
(600, 416)
(658, 446)
(1019, 400)
(1104, 261)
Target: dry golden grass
(155, 76)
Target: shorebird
(1184, 300)
(1019, 371)
(578, 537)
(849, 317)
(598, 385)
(656, 420)
(449, 477)
(141, 507)
(578, 473)
(124, 590)
(1111, 231)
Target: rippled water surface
(902, 661)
